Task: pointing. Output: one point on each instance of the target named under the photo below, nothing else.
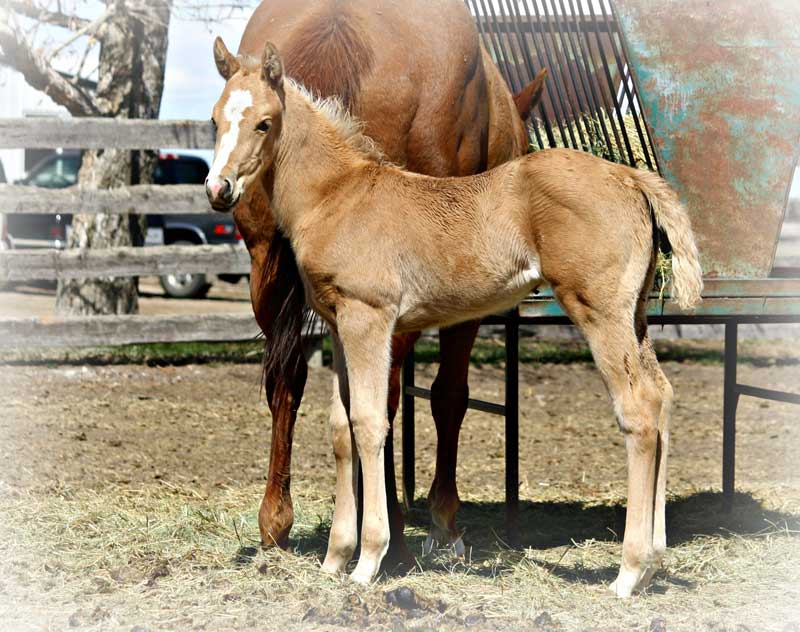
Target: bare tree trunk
(131, 80)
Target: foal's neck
(312, 158)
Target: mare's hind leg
(344, 529)
(637, 400)
(449, 396)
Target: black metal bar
(628, 93)
(556, 27)
(510, 59)
(768, 393)
(730, 401)
(588, 75)
(612, 89)
(563, 96)
(524, 54)
(575, 74)
(472, 404)
(482, 23)
(493, 43)
(555, 102)
(409, 456)
(512, 430)
(535, 27)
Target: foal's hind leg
(449, 396)
(637, 401)
(650, 362)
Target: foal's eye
(264, 126)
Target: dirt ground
(135, 424)
(129, 498)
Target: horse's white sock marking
(237, 104)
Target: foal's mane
(348, 127)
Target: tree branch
(31, 10)
(17, 54)
(89, 30)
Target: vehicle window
(58, 173)
(180, 171)
(191, 172)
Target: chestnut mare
(385, 64)
(381, 250)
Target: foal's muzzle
(221, 193)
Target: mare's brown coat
(415, 74)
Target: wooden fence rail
(104, 133)
(112, 331)
(94, 133)
(26, 265)
(178, 199)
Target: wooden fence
(17, 265)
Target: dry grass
(594, 140)
(163, 557)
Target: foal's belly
(463, 301)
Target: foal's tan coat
(382, 250)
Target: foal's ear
(227, 64)
(272, 67)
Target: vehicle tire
(185, 285)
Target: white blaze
(237, 104)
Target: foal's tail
(672, 218)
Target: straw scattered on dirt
(129, 494)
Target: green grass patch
(157, 354)
(487, 351)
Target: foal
(381, 250)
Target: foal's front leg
(365, 333)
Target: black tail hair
(283, 345)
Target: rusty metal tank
(719, 83)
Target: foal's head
(247, 118)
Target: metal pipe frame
(732, 391)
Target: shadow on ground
(550, 524)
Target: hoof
(628, 582)
(360, 577)
(399, 559)
(275, 523)
(334, 569)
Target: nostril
(227, 187)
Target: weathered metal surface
(710, 307)
(720, 87)
(721, 298)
